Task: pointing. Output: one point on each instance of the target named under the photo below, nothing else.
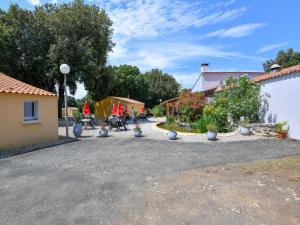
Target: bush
(217, 115)
(170, 119)
(191, 105)
(158, 111)
(200, 125)
(211, 126)
(281, 126)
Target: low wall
(264, 129)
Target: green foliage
(191, 105)
(281, 126)
(245, 122)
(71, 101)
(211, 126)
(284, 59)
(158, 111)
(77, 116)
(217, 114)
(34, 43)
(200, 125)
(170, 119)
(177, 127)
(161, 86)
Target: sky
(178, 35)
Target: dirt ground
(261, 193)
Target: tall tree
(284, 59)
(34, 43)
(162, 86)
(129, 82)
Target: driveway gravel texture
(94, 181)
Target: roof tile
(11, 85)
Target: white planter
(211, 135)
(137, 133)
(103, 132)
(172, 135)
(245, 131)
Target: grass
(287, 167)
(177, 127)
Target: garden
(237, 103)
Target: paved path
(87, 182)
(151, 131)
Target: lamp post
(65, 69)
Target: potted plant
(245, 126)
(103, 131)
(211, 131)
(172, 134)
(137, 131)
(77, 127)
(281, 129)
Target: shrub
(77, 116)
(170, 119)
(217, 115)
(191, 105)
(158, 111)
(211, 126)
(200, 125)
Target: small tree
(191, 105)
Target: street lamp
(65, 69)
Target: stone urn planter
(172, 135)
(211, 135)
(103, 132)
(211, 131)
(281, 134)
(245, 130)
(137, 132)
(77, 130)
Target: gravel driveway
(85, 182)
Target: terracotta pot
(282, 135)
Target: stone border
(198, 134)
(30, 148)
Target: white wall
(284, 101)
(211, 81)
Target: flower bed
(177, 127)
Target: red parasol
(119, 109)
(86, 109)
(125, 108)
(113, 110)
(143, 109)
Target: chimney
(275, 68)
(204, 67)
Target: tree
(162, 86)
(129, 82)
(34, 43)
(284, 59)
(71, 101)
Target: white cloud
(237, 31)
(270, 47)
(186, 80)
(34, 2)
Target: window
(31, 111)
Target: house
(28, 114)
(208, 81)
(71, 111)
(104, 106)
(283, 88)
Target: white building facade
(283, 88)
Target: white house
(211, 80)
(283, 86)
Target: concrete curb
(30, 148)
(154, 126)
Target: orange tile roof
(282, 72)
(11, 85)
(127, 100)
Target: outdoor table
(85, 122)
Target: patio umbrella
(119, 109)
(86, 109)
(113, 110)
(143, 109)
(125, 108)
